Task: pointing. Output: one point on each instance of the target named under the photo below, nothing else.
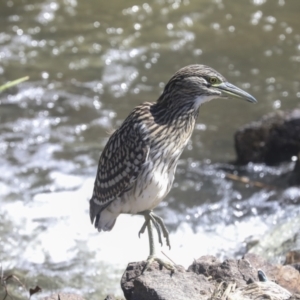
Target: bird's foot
(164, 263)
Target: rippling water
(90, 63)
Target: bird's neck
(174, 115)
(179, 122)
(171, 128)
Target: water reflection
(89, 64)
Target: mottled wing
(120, 163)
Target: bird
(137, 166)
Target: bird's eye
(213, 80)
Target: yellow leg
(152, 256)
(159, 226)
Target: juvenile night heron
(137, 166)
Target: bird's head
(194, 85)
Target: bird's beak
(230, 90)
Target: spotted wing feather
(120, 164)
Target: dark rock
(273, 139)
(204, 265)
(239, 270)
(209, 278)
(157, 284)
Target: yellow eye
(213, 80)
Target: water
(90, 63)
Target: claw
(153, 258)
(142, 230)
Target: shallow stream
(90, 62)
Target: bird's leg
(152, 256)
(156, 224)
(151, 239)
(165, 231)
(159, 225)
(149, 217)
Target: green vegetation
(12, 83)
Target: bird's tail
(107, 220)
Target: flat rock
(156, 283)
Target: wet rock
(64, 296)
(273, 139)
(209, 278)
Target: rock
(209, 278)
(261, 291)
(296, 266)
(238, 270)
(292, 257)
(273, 139)
(162, 284)
(63, 296)
(286, 276)
(204, 265)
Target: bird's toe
(152, 258)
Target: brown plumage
(137, 166)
